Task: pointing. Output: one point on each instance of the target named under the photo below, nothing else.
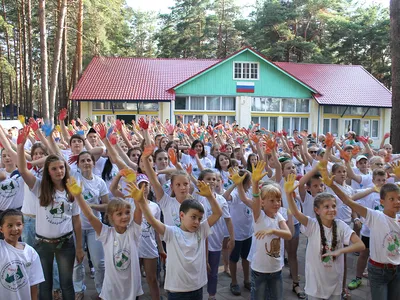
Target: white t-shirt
(30, 200)
(371, 201)
(344, 212)
(384, 245)
(308, 205)
(92, 191)
(218, 229)
(366, 180)
(55, 220)
(186, 160)
(122, 279)
(242, 216)
(267, 251)
(186, 262)
(148, 244)
(324, 277)
(11, 191)
(285, 203)
(170, 208)
(19, 270)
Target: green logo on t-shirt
(12, 276)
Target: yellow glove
(73, 186)
(204, 189)
(21, 118)
(289, 184)
(235, 177)
(258, 174)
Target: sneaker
(92, 273)
(235, 289)
(57, 295)
(355, 283)
(79, 296)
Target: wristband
(256, 195)
(356, 219)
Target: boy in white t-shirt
(20, 267)
(186, 244)
(384, 261)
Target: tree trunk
(8, 50)
(43, 60)
(30, 47)
(25, 58)
(16, 75)
(395, 51)
(21, 67)
(56, 58)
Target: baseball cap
(360, 157)
(141, 178)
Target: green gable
(218, 80)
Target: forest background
(45, 45)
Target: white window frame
(205, 104)
(269, 121)
(281, 105)
(291, 123)
(330, 126)
(377, 130)
(241, 70)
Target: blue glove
(47, 129)
(110, 131)
(81, 132)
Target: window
(290, 124)
(213, 103)
(274, 105)
(245, 70)
(223, 119)
(352, 110)
(288, 105)
(131, 106)
(332, 126)
(365, 129)
(374, 128)
(190, 118)
(228, 103)
(196, 103)
(181, 103)
(302, 105)
(269, 123)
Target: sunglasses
(312, 152)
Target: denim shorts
(296, 233)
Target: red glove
(118, 125)
(33, 124)
(63, 114)
(362, 139)
(387, 135)
(143, 124)
(23, 135)
(192, 152)
(113, 139)
(284, 132)
(72, 159)
(101, 130)
(222, 148)
(329, 140)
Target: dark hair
(204, 173)
(158, 151)
(387, 188)
(106, 173)
(217, 164)
(314, 177)
(83, 153)
(378, 172)
(247, 177)
(318, 201)
(47, 188)
(10, 212)
(76, 136)
(159, 143)
(133, 149)
(36, 146)
(191, 204)
(249, 166)
(176, 147)
(203, 152)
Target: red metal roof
(119, 78)
(125, 78)
(341, 84)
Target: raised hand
(73, 186)
(329, 140)
(63, 114)
(47, 129)
(192, 152)
(396, 168)
(23, 135)
(271, 144)
(170, 129)
(143, 124)
(362, 139)
(204, 189)
(113, 138)
(189, 169)
(33, 124)
(118, 125)
(258, 171)
(323, 165)
(346, 156)
(326, 179)
(355, 150)
(89, 121)
(386, 136)
(110, 131)
(101, 130)
(284, 132)
(235, 177)
(148, 151)
(255, 138)
(129, 174)
(136, 193)
(72, 159)
(210, 130)
(289, 185)
(222, 149)
(21, 118)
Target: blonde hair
(271, 190)
(114, 205)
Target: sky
(162, 5)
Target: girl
(270, 227)
(120, 243)
(222, 164)
(57, 219)
(20, 263)
(326, 240)
(186, 160)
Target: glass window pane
(286, 124)
(302, 105)
(355, 126)
(181, 103)
(228, 103)
(98, 105)
(258, 104)
(365, 130)
(304, 124)
(273, 124)
(264, 122)
(153, 106)
(254, 71)
(238, 70)
(288, 105)
(328, 109)
(196, 103)
(213, 103)
(255, 120)
(118, 105)
(347, 126)
(231, 119)
(374, 129)
(335, 127)
(133, 106)
(356, 110)
(373, 111)
(272, 104)
(246, 70)
(326, 126)
(296, 124)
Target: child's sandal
(346, 294)
(301, 294)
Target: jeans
(194, 295)
(266, 286)
(385, 283)
(213, 261)
(96, 251)
(65, 257)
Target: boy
(310, 185)
(186, 245)
(368, 198)
(384, 262)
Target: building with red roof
(245, 87)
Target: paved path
(223, 292)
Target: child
(309, 186)
(326, 240)
(368, 198)
(20, 266)
(186, 245)
(384, 261)
(270, 228)
(120, 243)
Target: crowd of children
(150, 197)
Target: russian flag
(244, 87)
